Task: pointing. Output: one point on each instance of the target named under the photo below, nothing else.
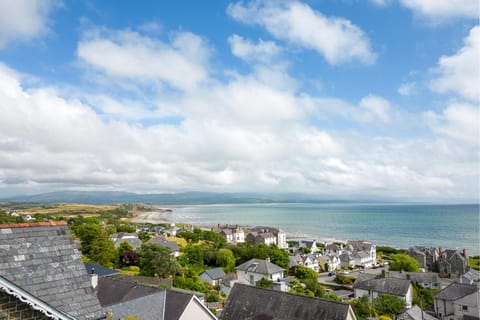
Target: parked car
(344, 272)
(331, 273)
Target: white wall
(196, 311)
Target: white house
(458, 301)
(257, 269)
(310, 261)
(329, 262)
(233, 234)
(267, 232)
(372, 287)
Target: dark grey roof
(164, 242)
(134, 242)
(112, 291)
(456, 291)
(176, 304)
(393, 286)
(98, 269)
(215, 274)
(259, 266)
(42, 259)
(415, 313)
(249, 303)
(420, 277)
(150, 307)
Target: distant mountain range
(185, 198)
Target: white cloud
(245, 49)
(23, 19)
(460, 121)
(460, 73)
(439, 10)
(375, 108)
(407, 89)
(337, 39)
(129, 55)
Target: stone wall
(12, 308)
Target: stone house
(280, 236)
(426, 256)
(453, 261)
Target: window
(464, 308)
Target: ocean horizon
(395, 224)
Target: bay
(398, 225)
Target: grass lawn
(474, 262)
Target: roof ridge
(33, 224)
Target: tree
(96, 244)
(226, 260)
(157, 260)
(423, 297)
(363, 308)
(404, 262)
(130, 258)
(305, 250)
(386, 304)
(302, 273)
(264, 283)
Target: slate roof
(249, 303)
(215, 274)
(99, 270)
(112, 291)
(176, 304)
(150, 307)
(393, 286)
(134, 242)
(420, 277)
(415, 313)
(42, 259)
(172, 245)
(259, 266)
(456, 291)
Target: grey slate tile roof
(249, 303)
(415, 313)
(176, 304)
(42, 259)
(150, 307)
(456, 291)
(112, 291)
(420, 277)
(215, 274)
(98, 269)
(172, 245)
(393, 286)
(259, 266)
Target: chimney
(409, 277)
(439, 251)
(94, 280)
(464, 252)
(268, 259)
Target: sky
(339, 98)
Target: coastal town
(107, 267)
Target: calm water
(399, 225)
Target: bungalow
(257, 269)
(458, 301)
(42, 274)
(130, 238)
(248, 302)
(213, 276)
(172, 245)
(372, 287)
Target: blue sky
(341, 98)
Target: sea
(396, 225)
